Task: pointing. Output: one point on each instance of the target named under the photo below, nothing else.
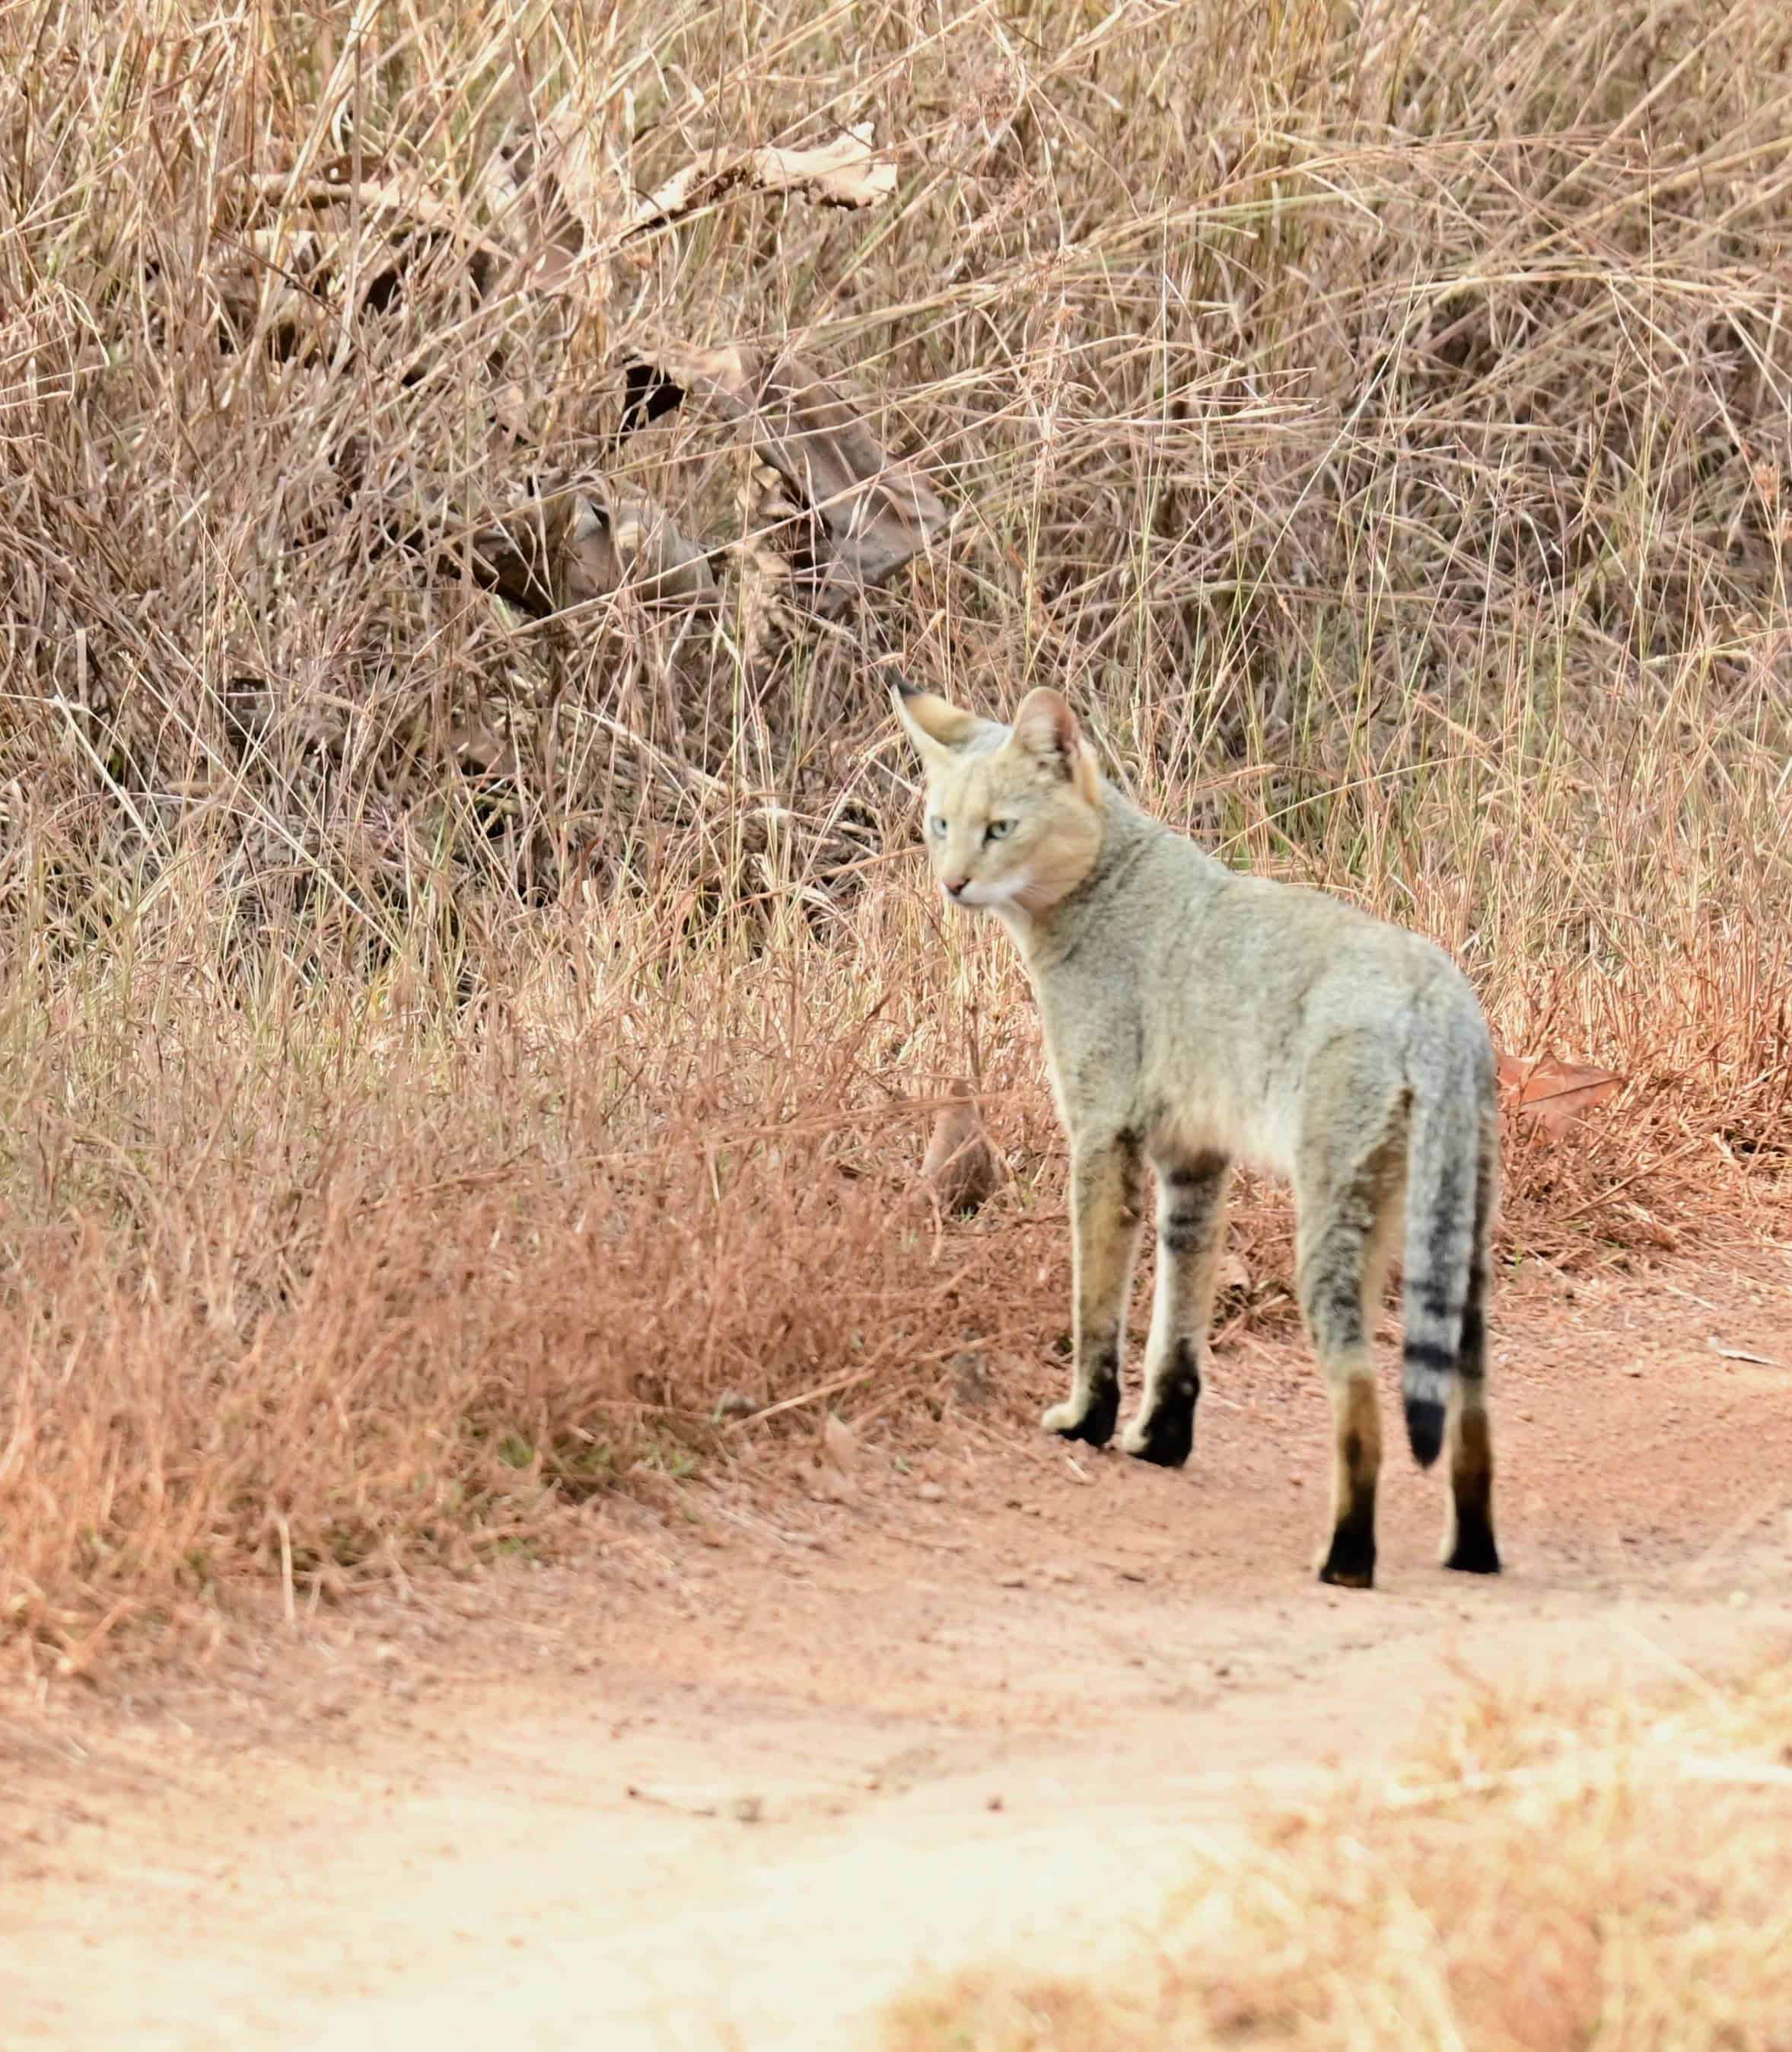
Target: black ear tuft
(904, 685)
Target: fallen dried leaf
(566, 203)
(971, 1381)
(1557, 1094)
(631, 543)
(404, 220)
(960, 1165)
(585, 543)
(847, 172)
(548, 183)
(860, 515)
(1513, 1070)
(1548, 1094)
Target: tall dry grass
(1610, 1873)
(441, 1050)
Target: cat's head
(1014, 814)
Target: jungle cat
(1193, 1018)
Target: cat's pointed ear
(937, 729)
(1047, 729)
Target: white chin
(990, 896)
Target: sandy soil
(734, 1775)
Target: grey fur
(1194, 1017)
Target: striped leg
(1191, 1230)
(1105, 1190)
(1348, 1213)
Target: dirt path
(736, 1778)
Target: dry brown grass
(1601, 1874)
(318, 1288)
(442, 1051)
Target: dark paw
(1473, 1552)
(1350, 1562)
(1166, 1439)
(1093, 1425)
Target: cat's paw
(1091, 1421)
(1165, 1437)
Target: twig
(808, 1397)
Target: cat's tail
(1452, 1153)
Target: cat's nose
(955, 885)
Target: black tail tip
(1425, 1429)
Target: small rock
(930, 1492)
(993, 1802)
(1133, 1574)
(747, 1809)
(1012, 1580)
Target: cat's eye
(936, 826)
(998, 830)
